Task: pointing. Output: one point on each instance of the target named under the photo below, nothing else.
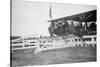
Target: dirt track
(66, 55)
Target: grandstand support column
(85, 26)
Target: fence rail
(56, 43)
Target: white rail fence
(43, 44)
(70, 42)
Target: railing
(21, 46)
(55, 43)
(70, 42)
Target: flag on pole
(50, 13)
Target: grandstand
(79, 24)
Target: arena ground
(25, 57)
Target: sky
(31, 18)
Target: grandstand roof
(82, 17)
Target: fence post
(37, 48)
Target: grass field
(26, 57)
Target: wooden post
(37, 48)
